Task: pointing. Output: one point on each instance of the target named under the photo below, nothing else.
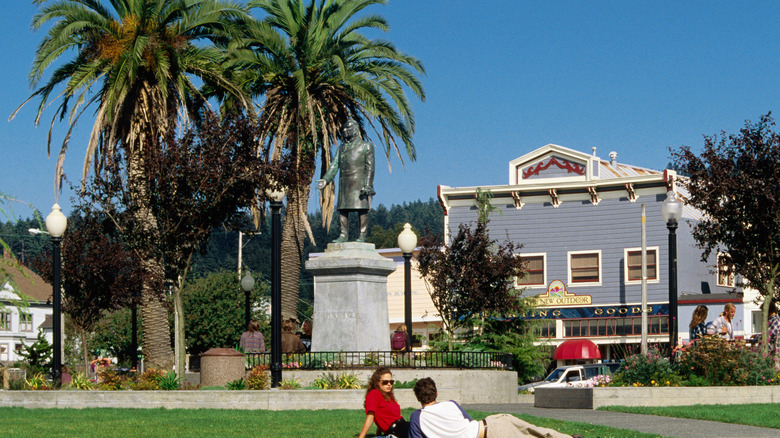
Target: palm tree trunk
(293, 235)
(154, 316)
(154, 307)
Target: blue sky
(503, 78)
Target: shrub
(82, 382)
(342, 381)
(37, 382)
(149, 380)
(258, 378)
(110, 380)
(405, 385)
(170, 381)
(646, 370)
(291, 384)
(719, 362)
(236, 385)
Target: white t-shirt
(447, 420)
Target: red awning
(577, 349)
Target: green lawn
(762, 415)
(171, 423)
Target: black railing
(325, 360)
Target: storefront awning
(577, 349)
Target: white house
(18, 325)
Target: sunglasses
(387, 382)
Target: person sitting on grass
(381, 407)
(449, 420)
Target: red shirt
(385, 412)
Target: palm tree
(313, 69)
(133, 60)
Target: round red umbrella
(577, 349)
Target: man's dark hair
(425, 390)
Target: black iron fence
(371, 359)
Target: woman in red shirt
(381, 407)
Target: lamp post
(276, 197)
(134, 330)
(56, 223)
(407, 241)
(671, 210)
(247, 284)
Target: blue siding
(611, 226)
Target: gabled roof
(558, 162)
(28, 282)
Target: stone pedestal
(350, 298)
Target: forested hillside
(221, 252)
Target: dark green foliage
(21, 244)
(170, 382)
(515, 336)
(114, 334)
(236, 385)
(38, 354)
(214, 306)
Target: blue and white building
(578, 218)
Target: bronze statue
(355, 160)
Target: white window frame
(544, 274)
(568, 268)
(28, 327)
(5, 316)
(732, 277)
(5, 351)
(657, 265)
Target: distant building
(579, 220)
(19, 326)
(425, 319)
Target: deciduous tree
(471, 276)
(735, 182)
(99, 274)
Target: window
(546, 328)
(725, 274)
(25, 322)
(585, 268)
(594, 327)
(633, 265)
(5, 321)
(535, 266)
(3, 352)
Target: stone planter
(593, 398)
(466, 386)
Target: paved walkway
(661, 426)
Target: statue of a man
(355, 161)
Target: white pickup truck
(572, 375)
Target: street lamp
(247, 284)
(276, 197)
(671, 210)
(56, 223)
(407, 241)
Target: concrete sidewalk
(660, 426)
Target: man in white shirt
(449, 420)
